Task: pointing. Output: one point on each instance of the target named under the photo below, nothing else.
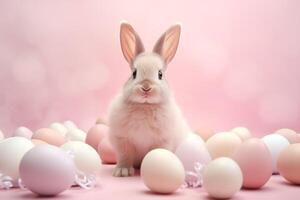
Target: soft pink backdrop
(237, 62)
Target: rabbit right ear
(131, 43)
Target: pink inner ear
(130, 43)
(167, 44)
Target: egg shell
(96, 134)
(290, 135)
(76, 134)
(1, 135)
(275, 143)
(191, 151)
(47, 170)
(23, 132)
(38, 142)
(255, 161)
(223, 144)
(222, 178)
(242, 132)
(162, 171)
(288, 163)
(50, 136)
(106, 151)
(86, 158)
(69, 124)
(205, 133)
(60, 128)
(12, 151)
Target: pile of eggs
(51, 160)
(234, 159)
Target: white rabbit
(144, 115)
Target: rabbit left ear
(131, 43)
(167, 44)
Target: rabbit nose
(146, 87)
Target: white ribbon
(193, 179)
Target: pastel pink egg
(47, 170)
(255, 161)
(288, 163)
(50, 136)
(96, 134)
(205, 132)
(290, 135)
(106, 152)
(23, 132)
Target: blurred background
(237, 62)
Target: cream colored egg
(60, 128)
(76, 134)
(86, 157)
(162, 171)
(223, 144)
(222, 178)
(242, 132)
(12, 151)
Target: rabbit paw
(123, 171)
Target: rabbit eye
(134, 74)
(160, 74)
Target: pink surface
(237, 61)
(132, 188)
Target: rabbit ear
(131, 43)
(167, 44)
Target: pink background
(237, 62)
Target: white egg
(59, 128)
(223, 144)
(275, 143)
(222, 178)
(69, 125)
(1, 135)
(162, 171)
(242, 132)
(76, 134)
(12, 151)
(86, 157)
(23, 132)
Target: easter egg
(289, 134)
(96, 134)
(288, 163)
(106, 151)
(50, 136)
(275, 143)
(60, 128)
(223, 144)
(1, 135)
(47, 170)
(242, 132)
(205, 133)
(86, 158)
(12, 151)
(76, 134)
(255, 161)
(162, 171)
(69, 124)
(23, 132)
(192, 150)
(222, 178)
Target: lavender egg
(47, 170)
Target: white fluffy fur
(139, 123)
